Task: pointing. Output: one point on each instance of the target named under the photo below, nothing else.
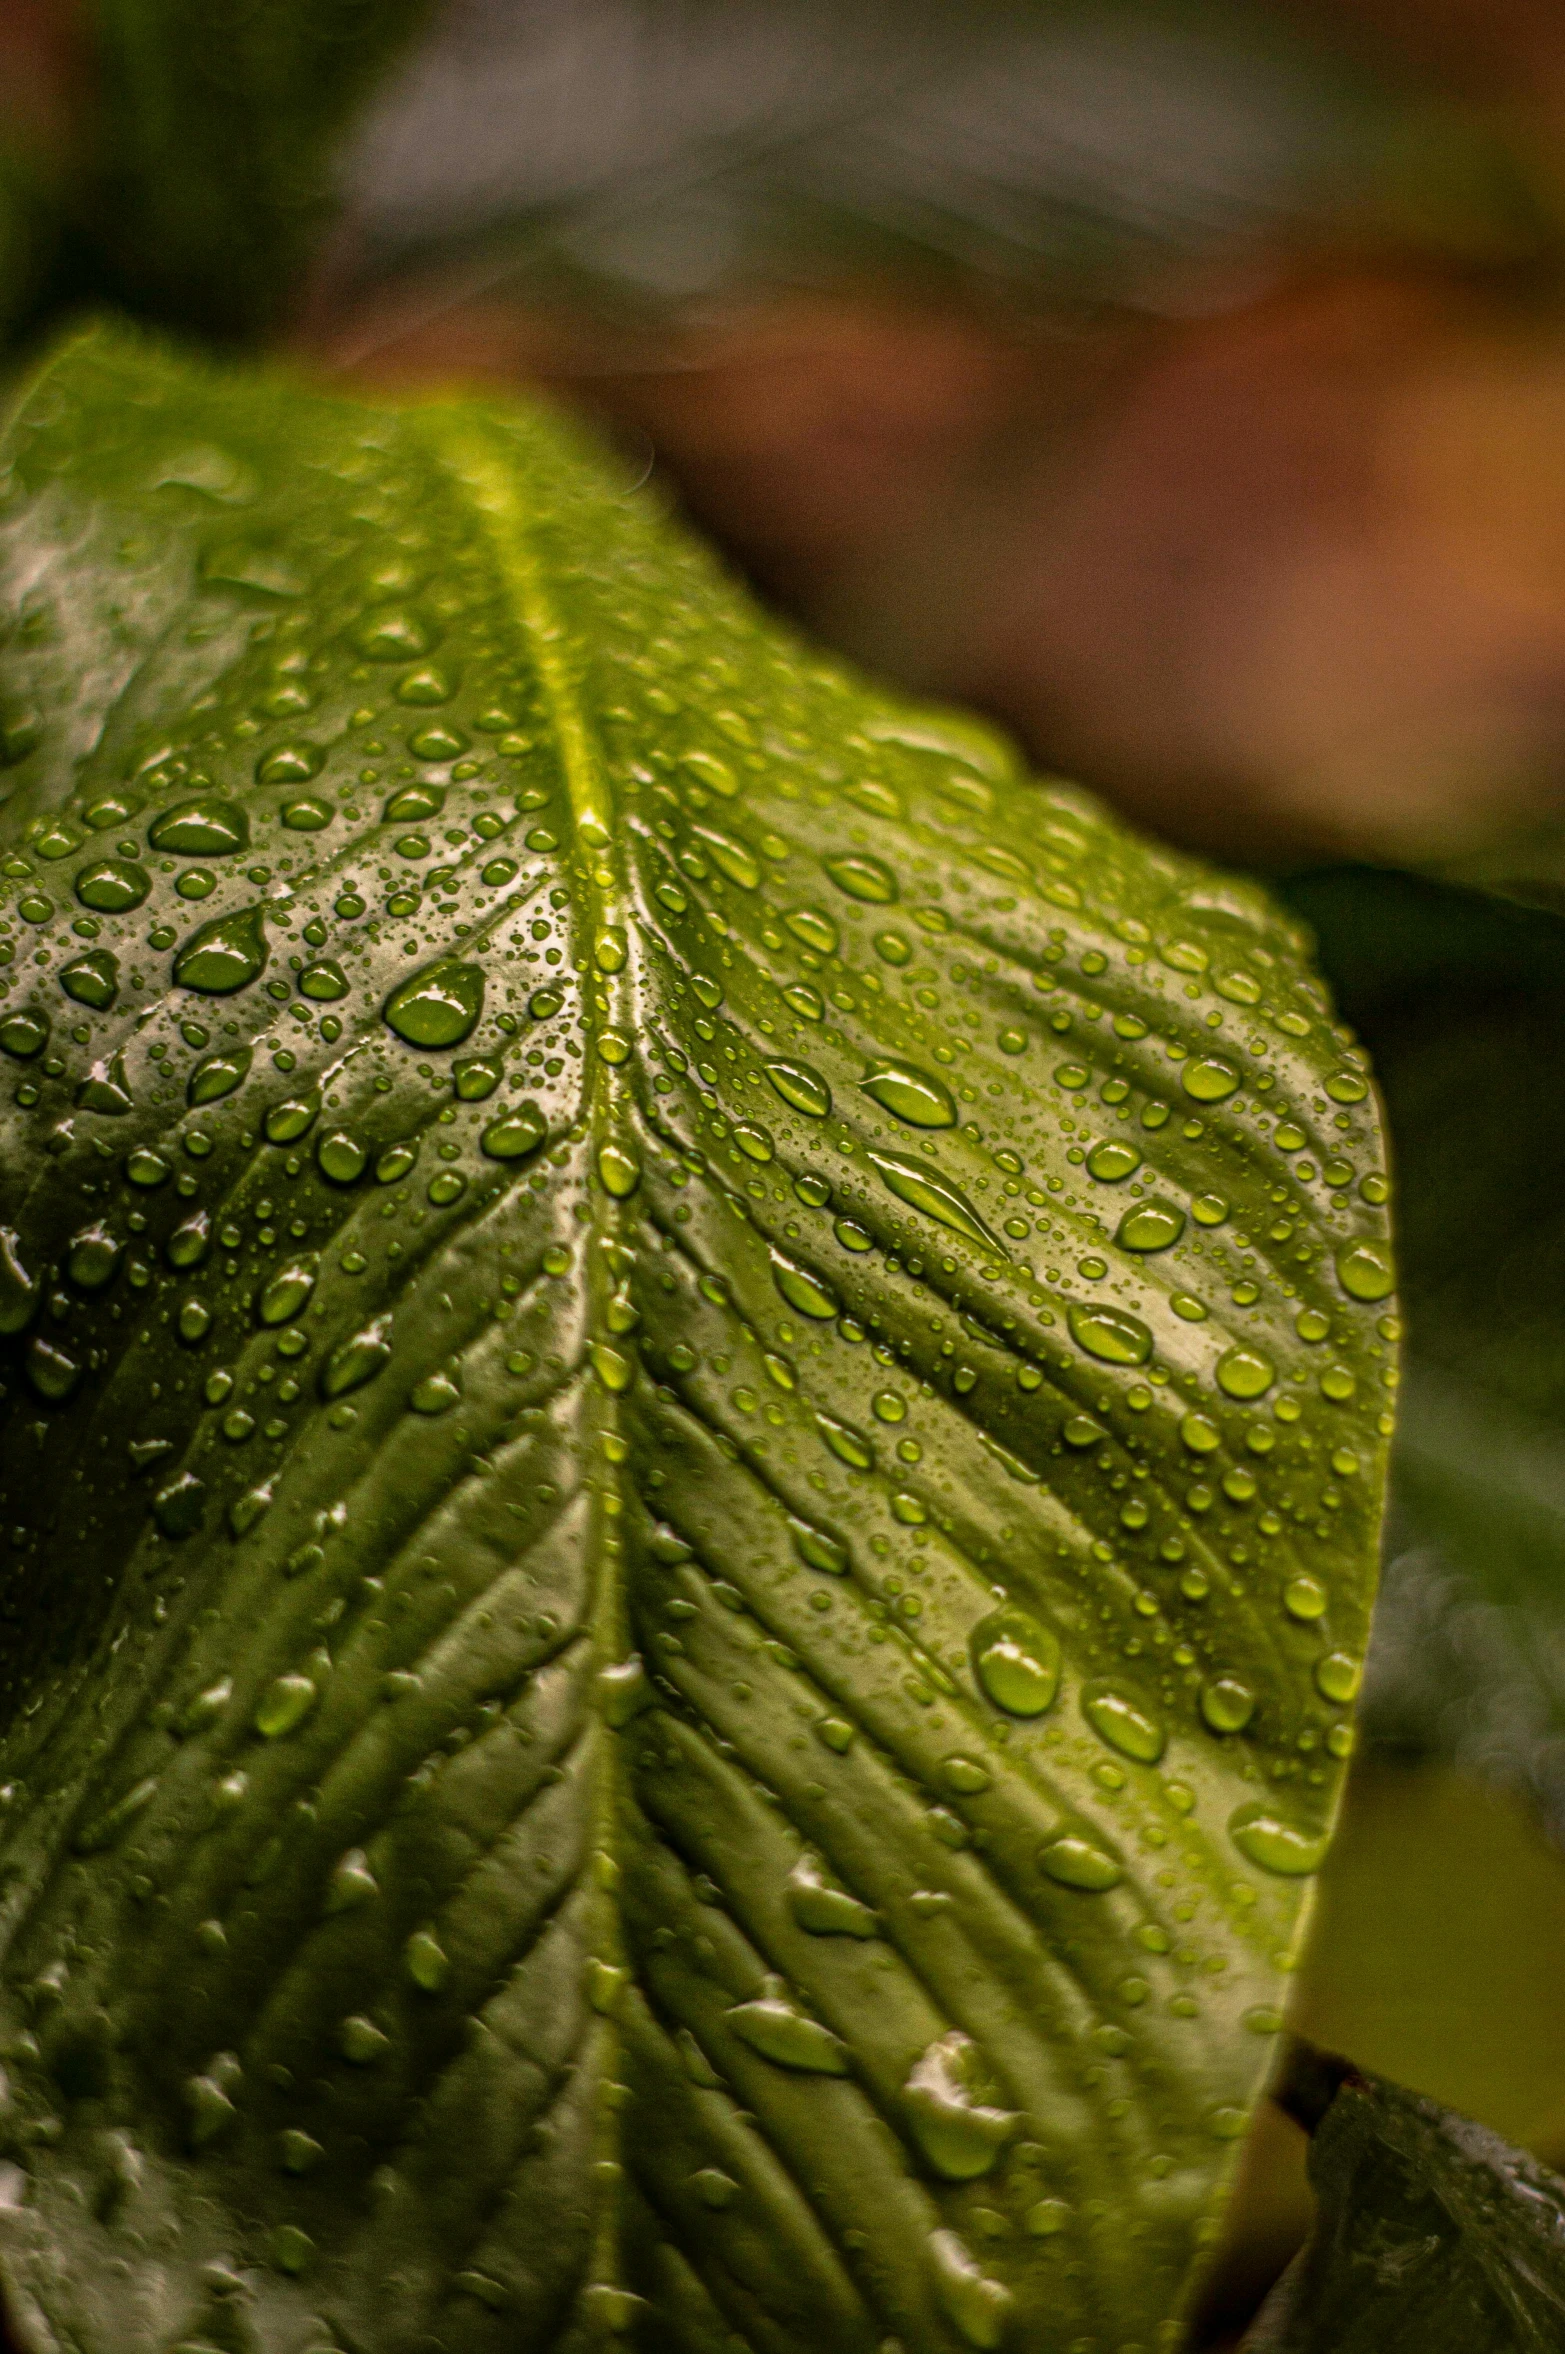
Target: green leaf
(649, 1683)
(1433, 2236)
(216, 124)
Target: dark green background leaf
(216, 123)
(659, 1675)
(1434, 2236)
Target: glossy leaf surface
(696, 1393)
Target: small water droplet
(802, 1289)
(218, 1075)
(93, 1256)
(516, 1134)
(352, 1882)
(814, 928)
(1208, 1079)
(427, 1964)
(818, 1550)
(288, 1292)
(850, 1446)
(1017, 1661)
(19, 1287)
(1305, 1598)
(619, 1171)
(979, 2308)
(341, 1156)
(1338, 1676)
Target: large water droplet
(1111, 1335)
(1209, 1079)
(862, 877)
(1126, 1724)
(735, 859)
(1245, 1373)
(1150, 1226)
(814, 927)
(822, 1909)
(979, 2308)
(818, 1550)
(24, 1033)
(358, 1360)
(93, 979)
(439, 1005)
(19, 1289)
(1268, 1839)
(396, 634)
(801, 1086)
(1016, 1661)
(285, 1703)
(226, 954)
(93, 1256)
(218, 1075)
(772, 2026)
(802, 1289)
(1227, 1704)
(959, 2132)
(1365, 1272)
(289, 1289)
(208, 828)
(1111, 1162)
(619, 1170)
(911, 1094)
(516, 1134)
(112, 886)
(1079, 1863)
(936, 1196)
(849, 1445)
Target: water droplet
(1305, 1598)
(307, 816)
(106, 1088)
(1124, 1723)
(426, 1961)
(323, 980)
(218, 1075)
(772, 2026)
(394, 634)
(1111, 1162)
(818, 1550)
(352, 1882)
(616, 1372)
(439, 1005)
(93, 979)
(1364, 1271)
(24, 1033)
(285, 1703)
(802, 1289)
(1209, 1079)
(814, 928)
(341, 1156)
(1269, 1840)
(1338, 1676)
(734, 859)
(800, 1086)
(111, 886)
(19, 1289)
(1150, 1226)
(850, 1446)
(516, 1134)
(290, 764)
(1016, 1661)
(979, 2308)
(358, 1360)
(911, 1094)
(288, 1291)
(1347, 1087)
(936, 1196)
(610, 949)
(178, 1507)
(862, 877)
(52, 1372)
(959, 2132)
(1110, 1334)
(208, 828)
(805, 1000)
(226, 954)
(1245, 1373)
(624, 1690)
(92, 1257)
(194, 1321)
(1078, 1863)
(361, 2041)
(822, 1909)
(1227, 1704)
(619, 1170)
(437, 1393)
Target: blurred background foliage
(1184, 382)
